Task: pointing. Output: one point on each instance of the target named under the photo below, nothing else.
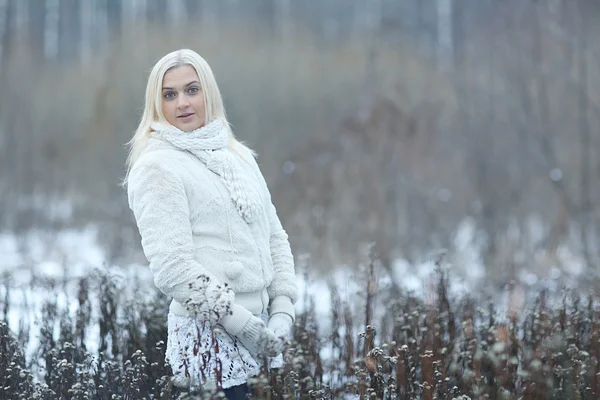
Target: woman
(209, 230)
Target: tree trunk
(445, 39)
(86, 17)
(51, 24)
(4, 34)
(584, 136)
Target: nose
(182, 102)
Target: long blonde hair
(153, 102)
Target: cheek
(199, 103)
(167, 110)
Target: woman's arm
(283, 290)
(160, 205)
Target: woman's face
(182, 98)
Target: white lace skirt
(198, 355)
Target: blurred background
(461, 127)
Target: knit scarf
(210, 144)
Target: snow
(74, 253)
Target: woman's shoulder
(158, 163)
(161, 155)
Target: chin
(191, 126)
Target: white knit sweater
(196, 240)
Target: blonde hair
(153, 102)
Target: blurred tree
(502, 100)
(51, 28)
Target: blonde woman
(209, 230)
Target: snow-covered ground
(71, 254)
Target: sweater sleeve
(160, 205)
(283, 290)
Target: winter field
(462, 137)
(71, 321)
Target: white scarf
(210, 144)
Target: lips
(185, 115)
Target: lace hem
(199, 355)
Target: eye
(169, 95)
(193, 89)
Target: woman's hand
(260, 340)
(280, 324)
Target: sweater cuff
(282, 304)
(234, 322)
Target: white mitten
(280, 324)
(258, 339)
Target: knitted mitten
(260, 340)
(280, 324)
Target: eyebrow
(192, 82)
